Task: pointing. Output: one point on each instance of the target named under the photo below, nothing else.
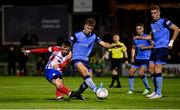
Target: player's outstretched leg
(78, 93)
(90, 83)
(59, 95)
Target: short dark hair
(66, 43)
(90, 22)
(116, 34)
(154, 7)
(140, 24)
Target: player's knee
(114, 72)
(141, 73)
(58, 83)
(131, 72)
(151, 70)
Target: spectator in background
(11, 60)
(22, 60)
(28, 39)
(40, 65)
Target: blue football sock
(145, 82)
(90, 83)
(159, 81)
(131, 83)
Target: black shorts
(116, 63)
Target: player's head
(140, 28)
(116, 37)
(155, 12)
(89, 25)
(66, 45)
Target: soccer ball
(102, 93)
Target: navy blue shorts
(85, 63)
(140, 63)
(159, 55)
(51, 74)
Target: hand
(126, 62)
(26, 52)
(142, 47)
(116, 45)
(151, 42)
(55, 66)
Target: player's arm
(42, 50)
(175, 34)
(133, 49)
(105, 56)
(143, 47)
(125, 53)
(108, 45)
(65, 62)
(38, 50)
(149, 37)
(62, 65)
(105, 44)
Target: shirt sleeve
(40, 50)
(123, 48)
(167, 23)
(72, 38)
(98, 39)
(54, 48)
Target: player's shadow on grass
(65, 99)
(52, 99)
(111, 92)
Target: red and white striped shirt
(55, 58)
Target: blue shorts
(140, 63)
(85, 63)
(51, 74)
(159, 55)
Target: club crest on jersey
(81, 39)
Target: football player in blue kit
(82, 45)
(140, 53)
(160, 34)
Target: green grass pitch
(37, 93)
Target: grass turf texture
(36, 92)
